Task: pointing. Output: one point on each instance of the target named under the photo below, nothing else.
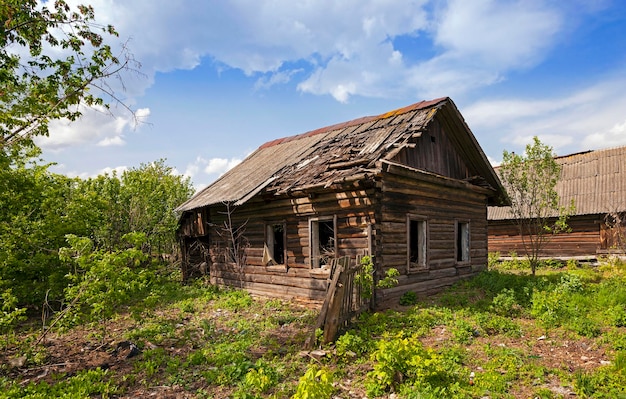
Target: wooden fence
(344, 300)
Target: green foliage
(85, 384)
(389, 280)
(365, 278)
(150, 194)
(316, 383)
(350, 345)
(530, 180)
(54, 62)
(10, 314)
(606, 382)
(260, 379)
(38, 209)
(235, 300)
(101, 281)
(402, 359)
(408, 298)
(463, 331)
(493, 259)
(33, 224)
(491, 324)
(505, 303)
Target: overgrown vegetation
(530, 180)
(503, 334)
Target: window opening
(462, 242)
(275, 244)
(417, 243)
(322, 242)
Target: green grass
(516, 335)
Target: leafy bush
(103, 280)
(495, 324)
(408, 298)
(365, 278)
(616, 315)
(403, 360)
(505, 303)
(350, 343)
(548, 308)
(316, 383)
(570, 283)
(10, 314)
(84, 384)
(493, 259)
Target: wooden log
(278, 281)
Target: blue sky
(220, 78)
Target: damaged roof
(342, 152)
(594, 180)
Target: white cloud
(219, 166)
(497, 34)
(96, 124)
(347, 45)
(204, 171)
(275, 78)
(614, 137)
(589, 118)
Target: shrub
(403, 360)
(316, 383)
(505, 303)
(408, 298)
(496, 324)
(350, 342)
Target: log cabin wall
(433, 152)
(296, 279)
(442, 203)
(583, 240)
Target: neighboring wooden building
(409, 187)
(596, 182)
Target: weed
(83, 385)
(584, 327)
(235, 300)
(409, 298)
(505, 303)
(403, 360)
(463, 331)
(493, 259)
(315, 383)
(350, 345)
(495, 324)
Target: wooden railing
(344, 300)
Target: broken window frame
(422, 242)
(270, 234)
(462, 241)
(315, 255)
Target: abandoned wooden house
(409, 187)
(596, 182)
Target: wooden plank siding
(296, 278)
(442, 205)
(582, 241)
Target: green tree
(52, 59)
(151, 193)
(530, 180)
(33, 223)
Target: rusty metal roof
(594, 180)
(341, 152)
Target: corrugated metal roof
(336, 153)
(594, 180)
